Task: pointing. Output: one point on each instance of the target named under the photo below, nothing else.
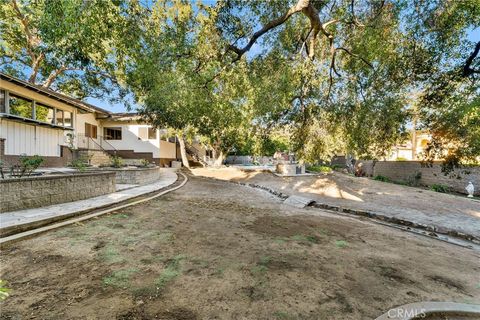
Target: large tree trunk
(350, 163)
(218, 157)
(183, 150)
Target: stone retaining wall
(137, 175)
(428, 175)
(35, 192)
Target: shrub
(27, 165)
(336, 166)
(145, 163)
(414, 179)
(440, 188)
(79, 165)
(382, 178)
(319, 168)
(401, 159)
(116, 161)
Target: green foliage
(440, 188)
(119, 278)
(28, 164)
(336, 167)
(80, 164)
(4, 291)
(68, 45)
(414, 179)
(375, 67)
(401, 159)
(116, 161)
(31, 163)
(382, 178)
(172, 270)
(145, 162)
(324, 169)
(341, 244)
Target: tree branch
(53, 75)
(32, 42)
(298, 7)
(467, 69)
(355, 56)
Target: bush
(414, 179)
(336, 166)
(382, 178)
(145, 163)
(401, 159)
(319, 168)
(116, 161)
(79, 164)
(27, 165)
(440, 188)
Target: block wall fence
(429, 174)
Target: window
(112, 133)
(143, 133)
(21, 107)
(152, 133)
(59, 117)
(44, 113)
(2, 101)
(90, 130)
(67, 119)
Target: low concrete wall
(249, 160)
(34, 192)
(137, 175)
(429, 174)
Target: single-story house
(38, 121)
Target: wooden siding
(30, 139)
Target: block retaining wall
(35, 192)
(405, 171)
(137, 175)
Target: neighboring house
(38, 121)
(413, 148)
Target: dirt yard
(214, 250)
(418, 205)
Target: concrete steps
(94, 157)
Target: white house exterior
(38, 121)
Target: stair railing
(99, 143)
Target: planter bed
(45, 190)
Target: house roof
(55, 95)
(125, 116)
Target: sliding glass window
(59, 116)
(2, 101)
(67, 119)
(44, 113)
(21, 107)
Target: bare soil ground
(214, 250)
(413, 204)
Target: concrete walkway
(23, 219)
(442, 213)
